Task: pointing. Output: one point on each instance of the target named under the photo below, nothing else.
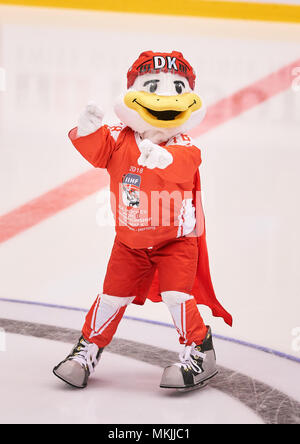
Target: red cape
(203, 290)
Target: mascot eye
(153, 87)
(179, 87)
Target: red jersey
(150, 206)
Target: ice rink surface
(54, 247)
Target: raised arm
(93, 140)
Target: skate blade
(187, 389)
(194, 387)
(198, 386)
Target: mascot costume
(160, 249)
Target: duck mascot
(160, 249)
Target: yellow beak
(163, 111)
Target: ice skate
(79, 364)
(197, 365)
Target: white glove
(90, 120)
(154, 156)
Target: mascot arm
(96, 148)
(153, 156)
(93, 140)
(177, 163)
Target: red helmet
(161, 61)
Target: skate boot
(197, 365)
(79, 364)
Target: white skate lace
(187, 355)
(86, 354)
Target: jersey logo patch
(131, 184)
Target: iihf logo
(131, 190)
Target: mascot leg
(100, 326)
(198, 359)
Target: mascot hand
(153, 156)
(90, 120)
